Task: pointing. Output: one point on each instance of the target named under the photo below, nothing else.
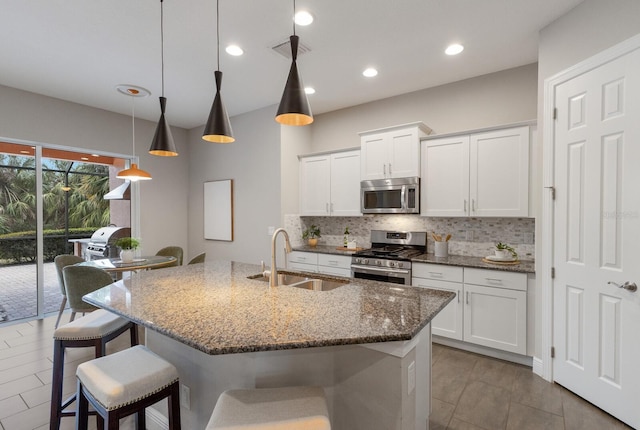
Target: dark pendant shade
(218, 127)
(294, 107)
(162, 143)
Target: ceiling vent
(284, 49)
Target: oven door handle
(364, 269)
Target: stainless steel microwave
(390, 196)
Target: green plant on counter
(312, 232)
(504, 246)
(127, 243)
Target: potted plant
(127, 245)
(311, 235)
(504, 251)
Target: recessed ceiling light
(370, 72)
(234, 50)
(454, 49)
(94, 155)
(22, 151)
(303, 18)
(84, 158)
(309, 90)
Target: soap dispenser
(346, 237)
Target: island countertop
(214, 307)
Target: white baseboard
(156, 420)
(483, 350)
(537, 366)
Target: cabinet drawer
(496, 278)
(303, 257)
(335, 271)
(333, 260)
(438, 272)
(302, 267)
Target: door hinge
(553, 192)
(553, 352)
(555, 113)
(553, 273)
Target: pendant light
(218, 127)
(133, 173)
(162, 143)
(294, 107)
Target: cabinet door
(448, 323)
(495, 317)
(345, 184)
(499, 172)
(374, 156)
(445, 177)
(315, 189)
(404, 154)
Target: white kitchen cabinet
(490, 307)
(392, 152)
(329, 264)
(330, 184)
(448, 322)
(480, 174)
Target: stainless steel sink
(304, 282)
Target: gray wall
(494, 99)
(52, 122)
(253, 162)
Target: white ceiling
(79, 50)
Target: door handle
(467, 297)
(465, 205)
(390, 169)
(629, 286)
(473, 205)
(384, 170)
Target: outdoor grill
(103, 240)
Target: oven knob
(400, 264)
(392, 264)
(356, 260)
(365, 261)
(378, 262)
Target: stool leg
(56, 385)
(141, 419)
(134, 334)
(174, 407)
(82, 409)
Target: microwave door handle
(403, 198)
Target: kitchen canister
(441, 249)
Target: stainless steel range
(389, 258)
(102, 241)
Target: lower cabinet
(490, 307)
(328, 264)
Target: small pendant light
(133, 173)
(294, 107)
(218, 127)
(162, 143)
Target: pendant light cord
(162, 43)
(133, 123)
(294, 17)
(218, 32)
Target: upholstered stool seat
(124, 383)
(288, 408)
(93, 330)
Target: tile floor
(474, 392)
(469, 391)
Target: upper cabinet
(392, 152)
(330, 184)
(480, 174)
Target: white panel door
(374, 156)
(345, 183)
(404, 160)
(315, 185)
(597, 236)
(499, 173)
(445, 177)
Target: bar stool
(288, 408)
(93, 330)
(124, 383)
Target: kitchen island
(367, 343)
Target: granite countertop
(215, 308)
(525, 266)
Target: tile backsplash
(469, 236)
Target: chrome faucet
(273, 277)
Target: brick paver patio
(18, 291)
